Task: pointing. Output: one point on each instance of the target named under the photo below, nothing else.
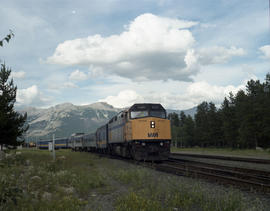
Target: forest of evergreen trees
(242, 121)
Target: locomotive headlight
(143, 143)
(152, 124)
(161, 143)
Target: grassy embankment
(225, 151)
(83, 181)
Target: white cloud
(153, 47)
(191, 95)
(78, 76)
(18, 75)
(266, 51)
(150, 48)
(57, 87)
(123, 99)
(69, 85)
(218, 54)
(203, 91)
(30, 96)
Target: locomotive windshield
(138, 114)
(147, 110)
(160, 114)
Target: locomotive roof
(143, 106)
(136, 106)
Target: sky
(175, 52)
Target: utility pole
(53, 150)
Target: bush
(10, 192)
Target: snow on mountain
(65, 119)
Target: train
(141, 132)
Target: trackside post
(53, 149)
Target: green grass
(33, 181)
(225, 151)
(83, 181)
(179, 194)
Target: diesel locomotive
(141, 132)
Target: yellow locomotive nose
(151, 128)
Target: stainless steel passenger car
(89, 142)
(75, 141)
(102, 138)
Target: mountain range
(65, 119)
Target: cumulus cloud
(150, 48)
(218, 54)
(266, 51)
(30, 96)
(194, 94)
(203, 91)
(18, 75)
(78, 76)
(123, 99)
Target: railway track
(243, 178)
(221, 157)
(246, 179)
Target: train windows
(138, 114)
(145, 110)
(160, 114)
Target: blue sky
(175, 52)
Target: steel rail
(262, 174)
(222, 157)
(246, 184)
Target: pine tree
(12, 124)
(215, 125)
(181, 132)
(229, 122)
(255, 114)
(188, 131)
(265, 139)
(6, 38)
(202, 124)
(174, 127)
